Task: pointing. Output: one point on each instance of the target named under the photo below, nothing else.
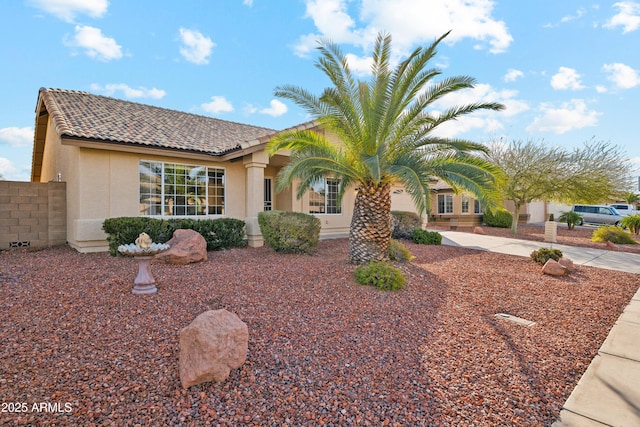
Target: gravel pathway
(322, 349)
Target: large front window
(173, 189)
(323, 197)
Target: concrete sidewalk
(608, 394)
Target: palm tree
(386, 136)
(632, 198)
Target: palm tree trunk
(370, 230)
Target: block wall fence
(32, 214)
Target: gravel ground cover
(322, 349)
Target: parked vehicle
(625, 209)
(597, 214)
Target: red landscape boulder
(186, 246)
(554, 268)
(213, 344)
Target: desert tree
(594, 173)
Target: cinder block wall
(32, 214)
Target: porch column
(254, 164)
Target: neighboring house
(121, 158)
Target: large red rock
(554, 268)
(186, 246)
(567, 263)
(213, 344)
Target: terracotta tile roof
(95, 117)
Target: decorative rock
(187, 246)
(554, 268)
(567, 263)
(213, 344)
(611, 245)
(478, 230)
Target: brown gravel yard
(322, 349)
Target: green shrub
(632, 223)
(612, 234)
(403, 223)
(571, 218)
(500, 218)
(219, 233)
(289, 232)
(125, 230)
(399, 252)
(425, 237)
(542, 255)
(381, 275)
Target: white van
(597, 214)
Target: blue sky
(568, 71)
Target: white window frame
(269, 205)
(477, 207)
(326, 207)
(465, 203)
(164, 204)
(446, 207)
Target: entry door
(268, 194)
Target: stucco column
(255, 164)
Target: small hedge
(500, 218)
(403, 223)
(425, 237)
(542, 255)
(381, 275)
(399, 252)
(219, 233)
(289, 232)
(613, 234)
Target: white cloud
(513, 75)
(129, 92)
(247, 3)
(566, 78)
(276, 108)
(570, 115)
(359, 66)
(195, 47)
(218, 104)
(7, 169)
(623, 76)
(67, 10)
(95, 44)
(485, 120)
(601, 89)
(628, 16)
(579, 14)
(411, 22)
(16, 137)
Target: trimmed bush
(500, 218)
(425, 237)
(125, 230)
(381, 275)
(219, 233)
(399, 252)
(632, 223)
(613, 234)
(403, 223)
(542, 255)
(289, 232)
